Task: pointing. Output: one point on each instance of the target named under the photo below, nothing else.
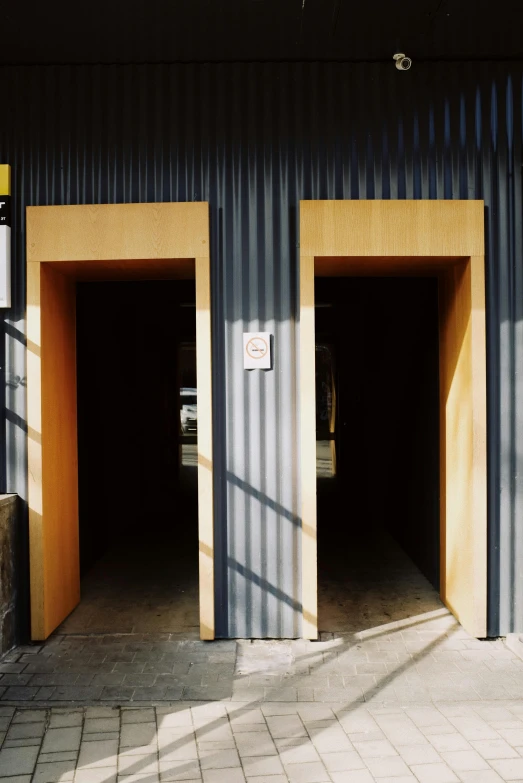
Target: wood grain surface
(391, 228)
(54, 541)
(118, 232)
(108, 242)
(443, 238)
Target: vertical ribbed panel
(254, 139)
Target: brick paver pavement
(413, 700)
(419, 659)
(270, 742)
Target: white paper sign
(257, 351)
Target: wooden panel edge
(442, 310)
(200, 211)
(205, 448)
(466, 235)
(307, 412)
(463, 530)
(34, 453)
(60, 511)
(479, 480)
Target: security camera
(403, 63)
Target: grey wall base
(9, 572)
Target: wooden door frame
(102, 242)
(444, 239)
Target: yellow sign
(5, 180)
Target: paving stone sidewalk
(419, 659)
(273, 742)
(416, 699)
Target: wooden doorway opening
(444, 239)
(94, 243)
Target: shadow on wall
(17, 432)
(270, 594)
(255, 414)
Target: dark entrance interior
(377, 430)
(137, 427)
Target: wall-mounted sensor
(403, 63)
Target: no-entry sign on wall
(5, 236)
(257, 351)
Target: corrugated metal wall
(253, 140)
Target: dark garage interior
(377, 397)
(137, 469)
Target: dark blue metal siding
(254, 139)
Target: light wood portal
(107, 242)
(446, 239)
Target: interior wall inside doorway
(129, 340)
(383, 333)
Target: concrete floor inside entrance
(370, 583)
(145, 584)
